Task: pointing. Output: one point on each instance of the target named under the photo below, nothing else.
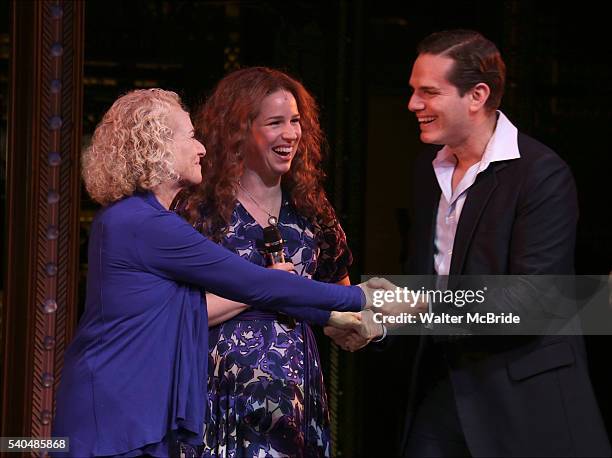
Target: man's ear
(479, 95)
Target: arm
(171, 248)
(544, 233)
(346, 281)
(221, 309)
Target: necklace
(272, 220)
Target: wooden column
(344, 381)
(44, 141)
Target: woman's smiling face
(276, 134)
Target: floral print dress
(266, 391)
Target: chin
(425, 138)
(282, 169)
(283, 172)
(194, 181)
(430, 139)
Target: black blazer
(515, 395)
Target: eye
(295, 120)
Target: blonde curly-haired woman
(134, 379)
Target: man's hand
(346, 339)
(341, 325)
(369, 328)
(352, 331)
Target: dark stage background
(355, 56)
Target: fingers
(351, 341)
(352, 331)
(346, 339)
(335, 333)
(355, 342)
(390, 304)
(286, 266)
(380, 283)
(344, 320)
(373, 284)
(368, 291)
(338, 336)
(369, 328)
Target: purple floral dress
(266, 391)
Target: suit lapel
(475, 202)
(431, 200)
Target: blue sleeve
(309, 314)
(169, 247)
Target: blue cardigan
(135, 374)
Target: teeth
(282, 150)
(426, 119)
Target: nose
(202, 150)
(290, 132)
(415, 103)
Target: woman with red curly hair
(266, 392)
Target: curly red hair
(224, 124)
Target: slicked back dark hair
(477, 60)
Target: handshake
(354, 330)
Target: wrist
(364, 298)
(382, 335)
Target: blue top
(135, 374)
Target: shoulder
(539, 169)
(535, 152)
(128, 211)
(539, 174)
(136, 214)
(123, 213)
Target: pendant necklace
(272, 220)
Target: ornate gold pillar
(44, 140)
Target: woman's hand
(370, 286)
(345, 329)
(344, 320)
(286, 266)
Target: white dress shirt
(502, 145)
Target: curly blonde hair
(130, 148)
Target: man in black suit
(490, 201)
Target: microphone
(273, 246)
(273, 254)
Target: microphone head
(272, 246)
(272, 236)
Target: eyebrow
(274, 118)
(425, 88)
